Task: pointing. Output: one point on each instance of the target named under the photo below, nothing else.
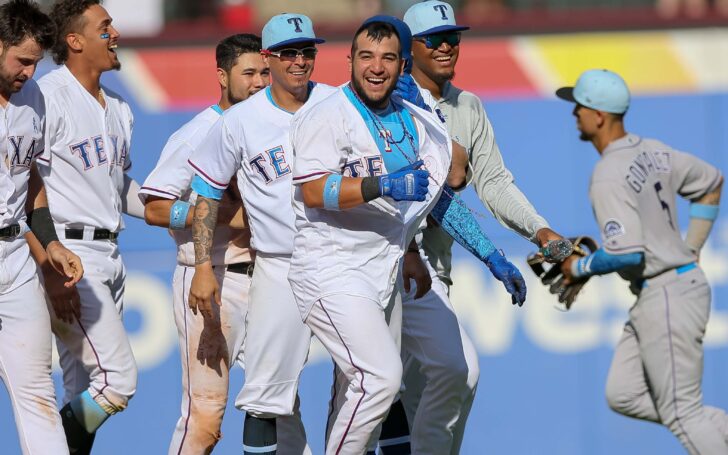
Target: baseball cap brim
(442, 29)
(566, 93)
(289, 42)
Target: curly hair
(67, 15)
(229, 49)
(21, 19)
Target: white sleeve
(131, 203)
(53, 127)
(319, 146)
(127, 156)
(618, 217)
(172, 175)
(218, 157)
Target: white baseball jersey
(87, 154)
(171, 179)
(253, 138)
(633, 190)
(21, 141)
(355, 251)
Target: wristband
(41, 223)
(332, 188)
(370, 188)
(178, 215)
(704, 211)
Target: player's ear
(75, 42)
(222, 78)
(402, 63)
(348, 60)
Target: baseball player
(441, 362)
(208, 346)
(84, 165)
(252, 140)
(361, 193)
(25, 327)
(657, 369)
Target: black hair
(229, 49)
(67, 16)
(22, 19)
(377, 31)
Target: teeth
(375, 80)
(113, 46)
(443, 59)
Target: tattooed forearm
(203, 227)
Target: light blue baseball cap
(430, 17)
(601, 90)
(286, 29)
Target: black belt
(244, 268)
(10, 232)
(99, 234)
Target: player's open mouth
(444, 59)
(375, 80)
(112, 48)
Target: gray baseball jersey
(633, 190)
(469, 126)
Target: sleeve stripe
(40, 158)
(207, 177)
(156, 190)
(313, 174)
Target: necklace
(453, 197)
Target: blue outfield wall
(542, 371)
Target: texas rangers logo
(296, 22)
(386, 136)
(274, 158)
(442, 9)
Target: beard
(585, 137)
(7, 82)
(374, 103)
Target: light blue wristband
(332, 188)
(704, 211)
(178, 215)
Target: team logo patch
(440, 115)
(613, 228)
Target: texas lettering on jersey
(84, 150)
(271, 164)
(371, 164)
(23, 151)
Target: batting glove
(509, 275)
(407, 89)
(407, 184)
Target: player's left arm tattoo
(203, 227)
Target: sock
(78, 439)
(259, 436)
(395, 437)
(88, 412)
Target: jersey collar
(269, 95)
(627, 142)
(217, 108)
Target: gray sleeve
(494, 183)
(617, 214)
(693, 177)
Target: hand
(203, 290)
(65, 263)
(64, 299)
(407, 184)
(212, 349)
(562, 248)
(408, 90)
(509, 275)
(414, 269)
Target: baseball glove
(552, 277)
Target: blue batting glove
(407, 90)
(407, 184)
(509, 275)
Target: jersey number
(663, 204)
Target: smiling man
(252, 140)
(209, 346)
(361, 191)
(84, 168)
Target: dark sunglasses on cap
(434, 41)
(308, 53)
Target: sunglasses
(308, 53)
(436, 40)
